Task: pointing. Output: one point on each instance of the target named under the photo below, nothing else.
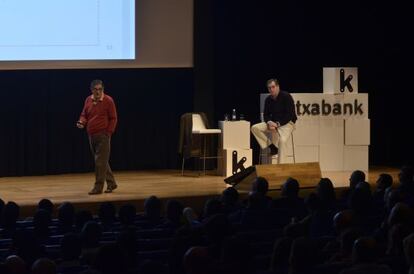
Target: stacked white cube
(235, 138)
(333, 127)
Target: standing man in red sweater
(100, 118)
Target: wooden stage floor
(134, 186)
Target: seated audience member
(174, 215)
(364, 258)
(230, 200)
(356, 177)
(290, 199)
(152, 207)
(261, 185)
(107, 215)
(15, 265)
(66, 217)
(44, 266)
(383, 182)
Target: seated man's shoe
(95, 191)
(273, 149)
(109, 189)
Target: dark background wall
(294, 40)
(39, 110)
(238, 46)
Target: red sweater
(99, 116)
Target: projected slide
(67, 30)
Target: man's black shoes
(109, 189)
(95, 191)
(273, 149)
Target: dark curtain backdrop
(294, 40)
(39, 110)
(238, 46)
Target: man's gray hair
(96, 82)
(272, 80)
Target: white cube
(331, 157)
(356, 105)
(306, 131)
(306, 154)
(356, 157)
(234, 156)
(235, 134)
(331, 131)
(340, 80)
(357, 132)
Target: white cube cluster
(235, 139)
(333, 127)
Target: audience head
(47, 205)
(174, 211)
(91, 234)
(261, 185)
(197, 260)
(384, 181)
(152, 207)
(230, 196)
(26, 245)
(66, 214)
(406, 175)
(1, 205)
(189, 215)
(326, 192)
(256, 201)
(342, 221)
(364, 250)
(10, 214)
(15, 265)
(107, 212)
(290, 188)
(212, 206)
(392, 197)
(44, 266)
(364, 186)
(356, 177)
(401, 213)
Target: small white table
(234, 147)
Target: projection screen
(59, 34)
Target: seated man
(279, 118)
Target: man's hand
(271, 125)
(79, 124)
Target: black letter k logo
(345, 82)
